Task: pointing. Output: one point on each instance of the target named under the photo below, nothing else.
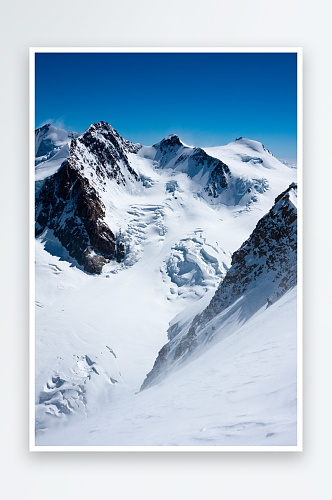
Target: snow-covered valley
(143, 258)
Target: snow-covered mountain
(210, 172)
(78, 199)
(133, 241)
(262, 270)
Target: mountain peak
(101, 126)
(171, 137)
(44, 128)
(251, 144)
(71, 200)
(104, 132)
(171, 142)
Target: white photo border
(33, 51)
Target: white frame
(299, 52)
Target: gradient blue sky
(207, 99)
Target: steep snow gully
(165, 293)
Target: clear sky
(207, 99)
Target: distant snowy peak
(235, 174)
(171, 142)
(254, 145)
(263, 270)
(289, 162)
(210, 173)
(247, 151)
(49, 139)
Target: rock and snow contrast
(165, 292)
(263, 269)
(51, 149)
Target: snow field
(241, 392)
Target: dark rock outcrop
(270, 250)
(70, 204)
(108, 152)
(217, 180)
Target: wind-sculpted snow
(76, 388)
(252, 159)
(194, 266)
(262, 270)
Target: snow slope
(178, 244)
(263, 269)
(51, 149)
(241, 392)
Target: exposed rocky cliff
(270, 251)
(70, 201)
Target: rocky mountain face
(172, 153)
(270, 253)
(218, 171)
(262, 270)
(70, 204)
(167, 149)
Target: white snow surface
(98, 336)
(51, 149)
(241, 392)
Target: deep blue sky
(208, 99)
